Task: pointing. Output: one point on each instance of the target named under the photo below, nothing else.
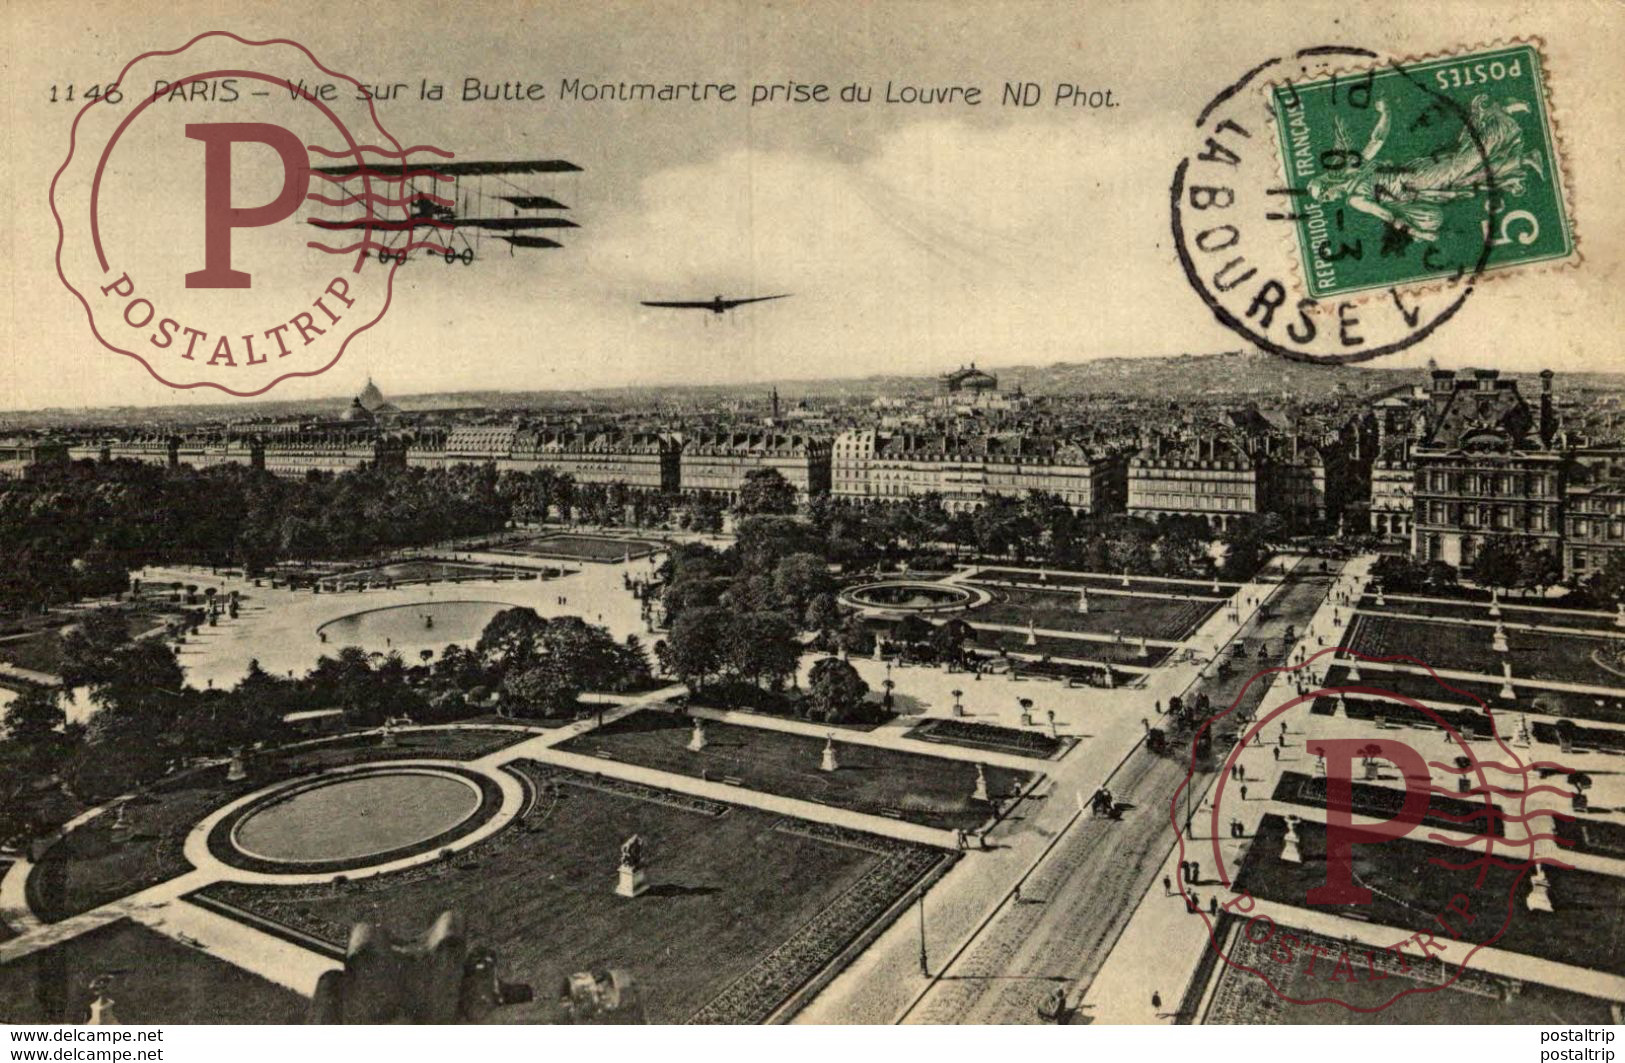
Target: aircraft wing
(530, 241)
(453, 169)
(729, 304)
(513, 224)
(680, 305)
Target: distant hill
(1238, 376)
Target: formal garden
(744, 908)
(138, 844)
(932, 791)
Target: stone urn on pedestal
(1289, 844)
(828, 762)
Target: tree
(88, 647)
(1495, 563)
(912, 629)
(695, 646)
(835, 692)
(541, 691)
(1539, 568)
(822, 615)
(855, 635)
(761, 646)
(512, 638)
(800, 578)
(35, 717)
(765, 490)
(1607, 584)
(947, 640)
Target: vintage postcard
(1008, 512)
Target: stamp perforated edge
(1290, 240)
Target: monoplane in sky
(718, 305)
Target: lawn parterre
(1584, 900)
(1168, 619)
(744, 908)
(975, 735)
(1385, 802)
(1533, 654)
(1539, 616)
(582, 547)
(1015, 642)
(1241, 996)
(929, 790)
(1434, 693)
(1199, 588)
(157, 980)
(96, 864)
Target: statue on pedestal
(696, 740)
(1498, 642)
(828, 763)
(1083, 600)
(632, 879)
(980, 793)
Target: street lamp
(925, 969)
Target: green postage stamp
(1436, 170)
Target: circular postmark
(186, 213)
(1335, 207)
(1378, 851)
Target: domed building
(384, 413)
(370, 398)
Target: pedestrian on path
(1196, 872)
(1277, 751)
(1213, 906)
(1244, 791)
(1156, 1002)
(1167, 887)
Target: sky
(912, 238)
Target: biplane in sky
(445, 209)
